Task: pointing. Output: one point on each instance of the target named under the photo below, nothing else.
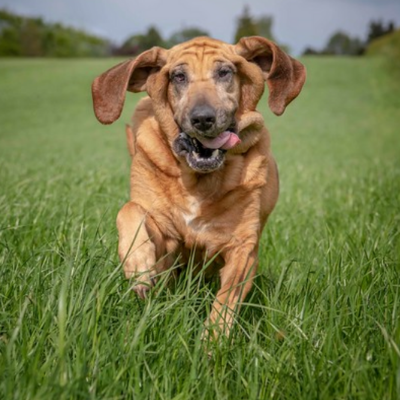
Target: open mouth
(199, 158)
(205, 155)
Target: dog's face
(204, 91)
(199, 89)
(204, 96)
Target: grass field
(323, 319)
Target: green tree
(377, 29)
(31, 38)
(341, 43)
(21, 36)
(246, 26)
(136, 44)
(10, 43)
(185, 34)
(264, 27)
(132, 46)
(10, 40)
(152, 38)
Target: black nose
(202, 117)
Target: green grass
(322, 321)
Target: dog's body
(212, 187)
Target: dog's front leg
(236, 280)
(136, 250)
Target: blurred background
(76, 28)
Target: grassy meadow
(323, 318)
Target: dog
(203, 176)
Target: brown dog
(202, 173)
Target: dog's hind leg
(136, 249)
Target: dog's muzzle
(205, 155)
(198, 157)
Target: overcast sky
(297, 23)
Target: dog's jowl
(203, 175)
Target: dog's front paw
(143, 283)
(139, 268)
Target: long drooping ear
(108, 89)
(284, 75)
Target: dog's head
(199, 89)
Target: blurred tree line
(246, 25)
(340, 43)
(136, 44)
(32, 37)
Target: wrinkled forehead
(200, 54)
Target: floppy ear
(108, 89)
(284, 75)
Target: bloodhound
(202, 176)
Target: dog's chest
(202, 225)
(192, 212)
(197, 221)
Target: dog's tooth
(196, 155)
(215, 153)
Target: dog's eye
(224, 73)
(179, 77)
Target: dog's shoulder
(147, 143)
(143, 111)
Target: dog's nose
(203, 118)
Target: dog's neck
(250, 129)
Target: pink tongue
(225, 140)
